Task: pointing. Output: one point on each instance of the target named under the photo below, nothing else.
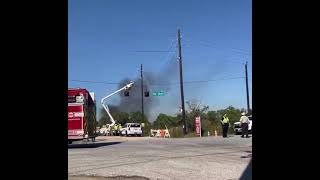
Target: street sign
(158, 93)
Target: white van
(131, 129)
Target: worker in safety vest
(225, 125)
(119, 127)
(114, 127)
(244, 122)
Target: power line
(219, 48)
(223, 60)
(214, 80)
(237, 49)
(169, 50)
(199, 81)
(208, 42)
(154, 51)
(166, 84)
(98, 82)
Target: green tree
(207, 125)
(195, 109)
(136, 117)
(214, 118)
(164, 120)
(121, 117)
(104, 118)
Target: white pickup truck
(237, 128)
(131, 129)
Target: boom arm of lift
(126, 87)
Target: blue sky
(104, 35)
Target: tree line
(210, 120)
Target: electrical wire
(165, 84)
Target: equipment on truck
(126, 88)
(104, 130)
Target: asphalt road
(157, 158)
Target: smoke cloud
(153, 81)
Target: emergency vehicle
(81, 115)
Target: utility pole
(142, 111)
(181, 85)
(246, 71)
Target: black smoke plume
(153, 81)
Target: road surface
(158, 158)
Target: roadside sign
(197, 123)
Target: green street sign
(158, 93)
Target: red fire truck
(81, 115)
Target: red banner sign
(197, 124)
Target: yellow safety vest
(225, 120)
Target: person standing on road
(225, 125)
(244, 123)
(119, 129)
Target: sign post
(197, 123)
